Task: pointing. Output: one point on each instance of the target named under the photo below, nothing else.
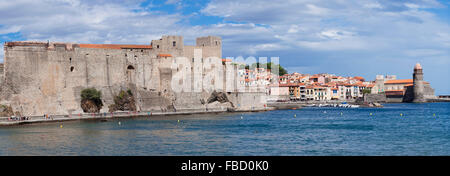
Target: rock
(218, 96)
(123, 102)
(89, 106)
(218, 105)
(377, 105)
(231, 109)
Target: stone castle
(47, 78)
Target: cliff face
(43, 78)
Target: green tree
(281, 70)
(366, 91)
(92, 94)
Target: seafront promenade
(7, 121)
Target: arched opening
(72, 68)
(130, 74)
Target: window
(71, 68)
(157, 46)
(174, 43)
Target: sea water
(396, 129)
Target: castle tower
(212, 46)
(418, 87)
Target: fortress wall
(428, 92)
(191, 100)
(375, 98)
(212, 51)
(247, 100)
(47, 78)
(207, 51)
(50, 80)
(2, 73)
(38, 80)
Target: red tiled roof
(399, 81)
(291, 84)
(358, 78)
(164, 55)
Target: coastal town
(324, 87)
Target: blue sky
(349, 38)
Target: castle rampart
(47, 78)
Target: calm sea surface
(424, 129)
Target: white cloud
(373, 5)
(321, 22)
(424, 52)
(334, 34)
(412, 6)
(293, 29)
(11, 29)
(83, 21)
(265, 47)
(359, 33)
(315, 10)
(334, 45)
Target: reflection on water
(310, 132)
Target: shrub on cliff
(6, 111)
(91, 100)
(124, 101)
